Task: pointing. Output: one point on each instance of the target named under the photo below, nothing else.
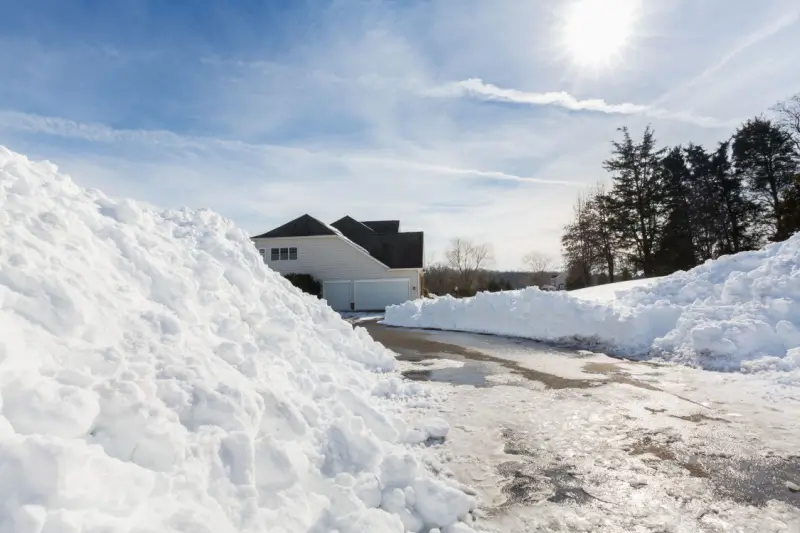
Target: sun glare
(597, 31)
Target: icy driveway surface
(573, 441)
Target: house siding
(331, 258)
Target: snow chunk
(436, 428)
(156, 376)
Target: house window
(263, 253)
(284, 254)
(293, 254)
(273, 254)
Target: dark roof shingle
(383, 226)
(304, 226)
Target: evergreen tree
(676, 247)
(736, 212)
(636, 196)
(704, 201)
(791, 207)
(764, 158)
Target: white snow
(738, 313)
(156, 376)
(611, 291)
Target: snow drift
(156, 376)
(739, 312)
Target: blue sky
(464, 118)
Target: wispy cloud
(465, 172)
(762, 33)
(100, 133)
(477, 88)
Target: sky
(462, 118)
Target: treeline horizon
(672, 208)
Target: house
(559, 281)
(363, 266)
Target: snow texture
(609, 291)
(737, 313)
(156, 376)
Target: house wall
(331, 258)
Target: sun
(597, 31)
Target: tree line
(672, 208)
(466, 270)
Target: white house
(363, 266)
(559, 281)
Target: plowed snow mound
(738, 313)
(156, 376)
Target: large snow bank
(156, 376)
(740, 312)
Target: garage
(337, 294)
(376, 294)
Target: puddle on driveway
(469, 374)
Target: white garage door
(376, 294)
(337, 294)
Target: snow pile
(740, 312)
(156, 376)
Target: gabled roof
(383, 226)
(304, 226)
(348, 225)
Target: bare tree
(537, 261)
(468, 259)
(439, 278)
(538, 264)
(789, 117)
(578, 242)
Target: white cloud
(477, 88)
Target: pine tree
(676, 249)
(736, 212)
(636, 196)
(764, 157)
(703, 201)
(791, 207)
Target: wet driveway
(745, 478)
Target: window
(280, 254)
(263, 253)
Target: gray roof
(304, 226)
(382, 239)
